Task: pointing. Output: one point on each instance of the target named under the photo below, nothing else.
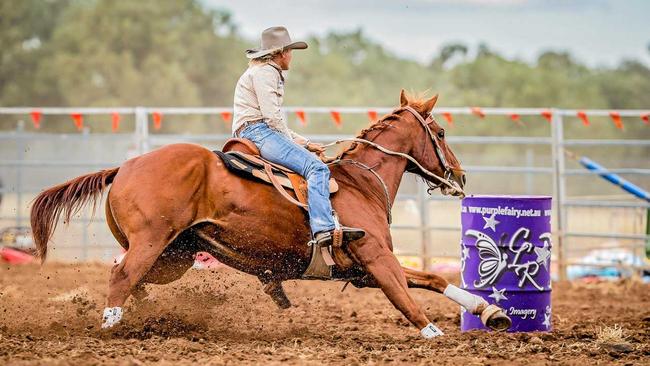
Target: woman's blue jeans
(279, 149)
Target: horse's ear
(403, 100)
(428, 105)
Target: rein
(443, 181)
(389, 215)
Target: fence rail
(143, 141)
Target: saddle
(243, 158)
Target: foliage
(178, 53)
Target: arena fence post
(647, 233)
(559, 186)
(20, 150)
(425, 234)
(142, 130)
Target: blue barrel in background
(506, 258)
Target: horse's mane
(384, 123)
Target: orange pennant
(372, 115)
(645, 118)
(36, 118)
(78, 120)
(115, 121)
(516, 119)
(478, 111)
(616, 117)
(157, 120)
(548, 115)
(448, 117)
(301, 117)
(336, 116)
(583, 116)
(227, 116)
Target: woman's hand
(315, 148)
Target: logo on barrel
(494, 259)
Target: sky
(596, 32)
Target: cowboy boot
(325, 238)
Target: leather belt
(246, 124)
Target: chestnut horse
(166, 205)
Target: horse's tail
(65, 199)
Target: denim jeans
(279, 149)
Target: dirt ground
(51, 315)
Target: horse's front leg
(491, 316)
(389, 276)
(274, 289)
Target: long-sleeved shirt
(258, 95)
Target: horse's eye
(441, 134)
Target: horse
(168, 204)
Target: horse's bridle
(447, 170)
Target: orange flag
(448, 117)
(78, 120)
(548, 115)
(516, 119)
(372, 115)
(478, 111)
(36, 118)
(583, 116)
(336, 116)
(645, 118)
(157, 120)
(115, 121)
(227, 116)
(616, 117)
(301, 117)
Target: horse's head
(430, 148)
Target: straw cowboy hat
(273, 39)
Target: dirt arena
(51, 315)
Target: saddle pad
(251, 170)
(252, 167)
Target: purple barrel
(506, 258)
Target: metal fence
(31, 161)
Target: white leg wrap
(431, 331)
(112, 316)
(465, 299)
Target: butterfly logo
(493, 262)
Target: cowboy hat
(273, 39)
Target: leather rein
(442, 181)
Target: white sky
(597, 32)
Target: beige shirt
(258, 95)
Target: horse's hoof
(499, 322)
(111, 317)
(494, 318)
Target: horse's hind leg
(141, 256)
(491, 315)
(170, 266)
(274, 289)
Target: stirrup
(338, 236)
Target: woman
(259, 118)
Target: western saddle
(243, 158)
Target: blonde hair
(266, 58)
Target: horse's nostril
(463, 179)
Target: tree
(26, 28)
